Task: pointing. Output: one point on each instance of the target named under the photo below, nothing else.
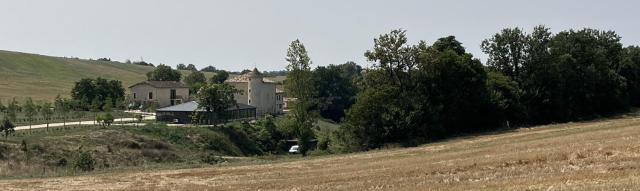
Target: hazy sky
(238, 34)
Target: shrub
(84, 161)
(213, 159)
(61, 162)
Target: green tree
(629, 68)
(335, 89)
(215, 99)
(46, 112)
(506, 52)
(12, 109)
(181, 67)
(30, 110)
(298, 86)
(163, 73)
(7, 127)
(195, 80)
(3, 108)
(108, 105)
(62, 109)
(219, 77)
(192, 67)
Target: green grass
(43, 77)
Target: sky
(242, 34)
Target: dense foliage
(97, 93)
(416, 93)
(164, 73)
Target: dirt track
(603, 155)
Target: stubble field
(596, 155)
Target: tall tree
(298, 85)
(164, 73)
(30, 110)
(61, 107)
(335, 89)
(506, 52)
(12, 109)
(215, 99)
(629, 68)
(46, 112)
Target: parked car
(294, 149)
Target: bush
(213, 159)
(84, 161)
(61, 162)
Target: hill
(43, 77)
(595, 155)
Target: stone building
(258, 92)
(163, 93)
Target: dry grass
(600, 155)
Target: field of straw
(596, 155)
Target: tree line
(416, 93)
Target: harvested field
(597, 155)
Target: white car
(294, 149)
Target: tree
(46, 112)
(12, 109)
(506, 52)
(215, 99)
(629, 68)
(108, 105)
(209, 69)
(61, 108)
(88, 90)
(219, 77)
(7, 127)
(335, 89)
(181, 67)
(195, 80)
(163, 73)
(192, 68)
(30, 110)
(298, 85)
(2, 107)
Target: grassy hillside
(117, 147)
(596, 155)
(44, 77)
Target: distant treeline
(421, 92)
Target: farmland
(591, 155)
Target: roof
(162, 84)
(193, 106)
(246, 77)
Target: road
(147, 116)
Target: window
(249, 101)
(134, 95)
(150, 95)
(173, 93)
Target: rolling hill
(43, 77)
(591, 155)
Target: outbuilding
(182, 113)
